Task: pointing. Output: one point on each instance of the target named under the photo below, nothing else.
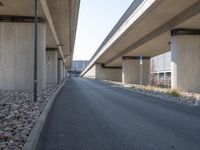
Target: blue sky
(96, 19)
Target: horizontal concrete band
(135, 57)
(51, 49)
(24, 19)
(185, 31)
(103, 66)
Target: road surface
(90, 115)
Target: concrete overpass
(56, 36)
(149, 28)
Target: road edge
(32, 140)
(165, 99)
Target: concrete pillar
(60, 71)
(17, 56)
(108, 73)
(185, 55)
(131, 70)
(51, 62)
(99, 71)
(64, 75)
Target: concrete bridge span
(150, 29)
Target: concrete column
(51, 62)
(108, 73)
(99, 71)
(131, 70)
(60, 71)
(17, 56)
(63, 72)
(185, 54)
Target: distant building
(161, 69)
(79, 65)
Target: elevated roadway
(147, 29)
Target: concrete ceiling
(64, 14)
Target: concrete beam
(186, 14)
(23, 19)
(52, 27)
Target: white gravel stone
(18, 115)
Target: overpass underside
(153, 28)
(57, 21)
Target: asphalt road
(89, 115)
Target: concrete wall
(112, 74)
(131, 71)
(51, 62)
(17, 56)
(185, 62)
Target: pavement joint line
(33, 138)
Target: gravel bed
(18, 114)
(192, 99)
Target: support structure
(131, 70)
(60, 70)
(185, 55)
(100, 71)
(17, 55)
(52, 65)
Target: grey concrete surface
(89, 115)
(60, 71)
(16, 56)
(131, 71)
(52, 67)
(98, 72)
(185, 62)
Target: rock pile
(18, 114)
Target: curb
(32, 140)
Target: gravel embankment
(18, 114)
(192, 99)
